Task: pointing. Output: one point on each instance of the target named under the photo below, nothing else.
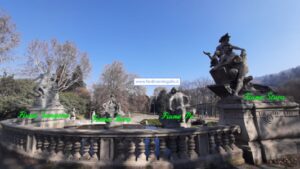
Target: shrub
(72, 100)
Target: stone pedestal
(269, 130)
(48, 122)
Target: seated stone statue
(228, 68)
(112, 108)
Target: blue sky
(164, 38)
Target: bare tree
(198, 91)
(9, 38)
(62, 60)
(157, 91)
(115, 80)
(202, 98)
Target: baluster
(141, 150)
(76, 149)
(232, 138)
(212, 144)
(59, 147)
(162, 149)
(94, 149)
(39, 144)
(192, 147)
(16, 142)
(68, 149)
(151, 156)
(219, 141)
(52, 145)
(84, 149)
(182, 144)
(226, 140)
(173, 148)
(14, 138)
(24, 141)
(45, 144)
(131, 152)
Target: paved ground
(136, 117)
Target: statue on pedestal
(229, 71)
(178, 103)
(269, 123)
(112, 108)
(175, 111)
(46, 92)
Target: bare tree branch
(59, 59)
(9, 38)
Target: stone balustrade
(171, 148)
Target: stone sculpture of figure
(41, 89)
(93, 116)
(111, 107)
(73, 114)
(46, 91)
(225, 51)
(234, 66)
(178, 102)
(53, 94)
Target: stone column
(173, 148)
(85, 148)
(152, 156)
(68, 148)
(212, 144)
(94, 149)
(162, 148)
(76, 149)
(192, 147)
(219, 141)
(182, 145)
(141, 150)
(131, 152)
(30, 143)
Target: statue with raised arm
(179, 102)
(46, 91)
(228, 68)
(41, 89)
(53, 93)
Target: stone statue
(178, 102)
(174, 109)
(112, 108)
(53, 94)
(265, 123)
(46, 91)
(41, 89)
(93, 115)
(229, 69)
(73, 114)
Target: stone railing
(170, 148)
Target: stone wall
(134, 148)
(269, 130)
